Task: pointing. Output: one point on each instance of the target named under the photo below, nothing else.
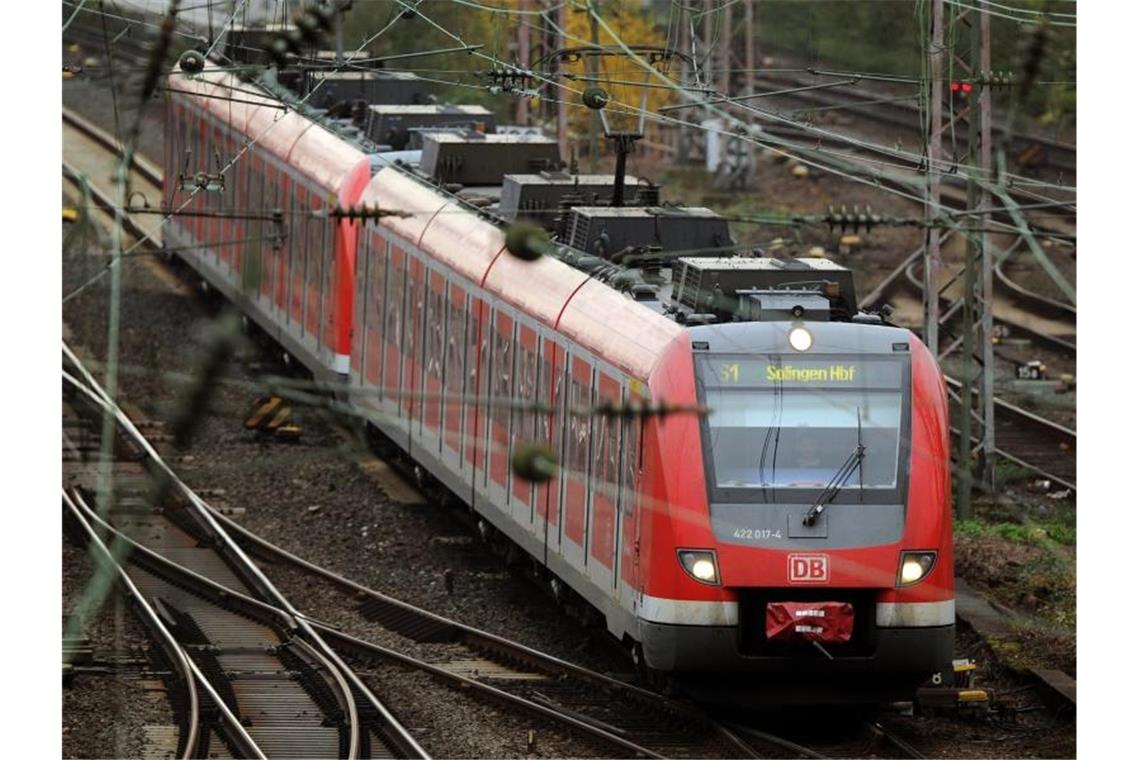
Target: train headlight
(700, 564)
(914, 566)
(800, 338)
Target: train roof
(465, 187)
(554, 293)
(300, 141)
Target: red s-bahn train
(799, 533)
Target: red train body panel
(299, 290)
(433, 323)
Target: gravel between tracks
(104, 715)
(449, 724)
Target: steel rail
(896, 114)
(149, 171)
(225, 596)
(107, 204)
(949, 308)
(908, 749)
(468, 633)
(143, 555)
(191, 673)
(1051, 304)
(1023, 416)
(905, 272)
(470, 636)
(225, 543)
(591, 727)
(782, 743)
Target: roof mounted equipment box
(480, 159)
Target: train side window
(293, 245)
(313, 255)
(579, 424)
(543, 426)
(456, 341)
(604, 451)
(394, 303)
(414, 322)
(435, 324)
(628, 462)
(219, 198)
(504, 357)
(377, 249)
(328, 255)
(527, 384)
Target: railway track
(650, 724)
(646, 724)
(246, 642)
(890, 107)
(862, 738)
(275, 687)
(1023, 437)
(91, 161)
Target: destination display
(780, 370)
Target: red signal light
(967, 87)
(955, 86)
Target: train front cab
(826, 610)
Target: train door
(412, 385)
(175, 148)
(314, 252)
(294, 254)
(393, 331)
(223, 202)
(169, 146)
(284, 244)
(205, 202)
(300, 251)
(478, 372)
(229, 224)
(201, 154)
(371, 333)
(435, 331)
(240, 207)
(629, 514)
(604, 483)
(268, 262)
(216, 200)
(522, 421)
(575, 496)
(326, 337)
(454, 379)
(551, 430)
(254, 228)
(499, 413)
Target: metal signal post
(958, 66)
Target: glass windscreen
(778, 421)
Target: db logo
(807, 568)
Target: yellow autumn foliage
(623, 79)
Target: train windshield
(790, 422)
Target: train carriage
(720, 548)
(261, 234)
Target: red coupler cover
(828, 622)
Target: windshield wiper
(845, 471)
